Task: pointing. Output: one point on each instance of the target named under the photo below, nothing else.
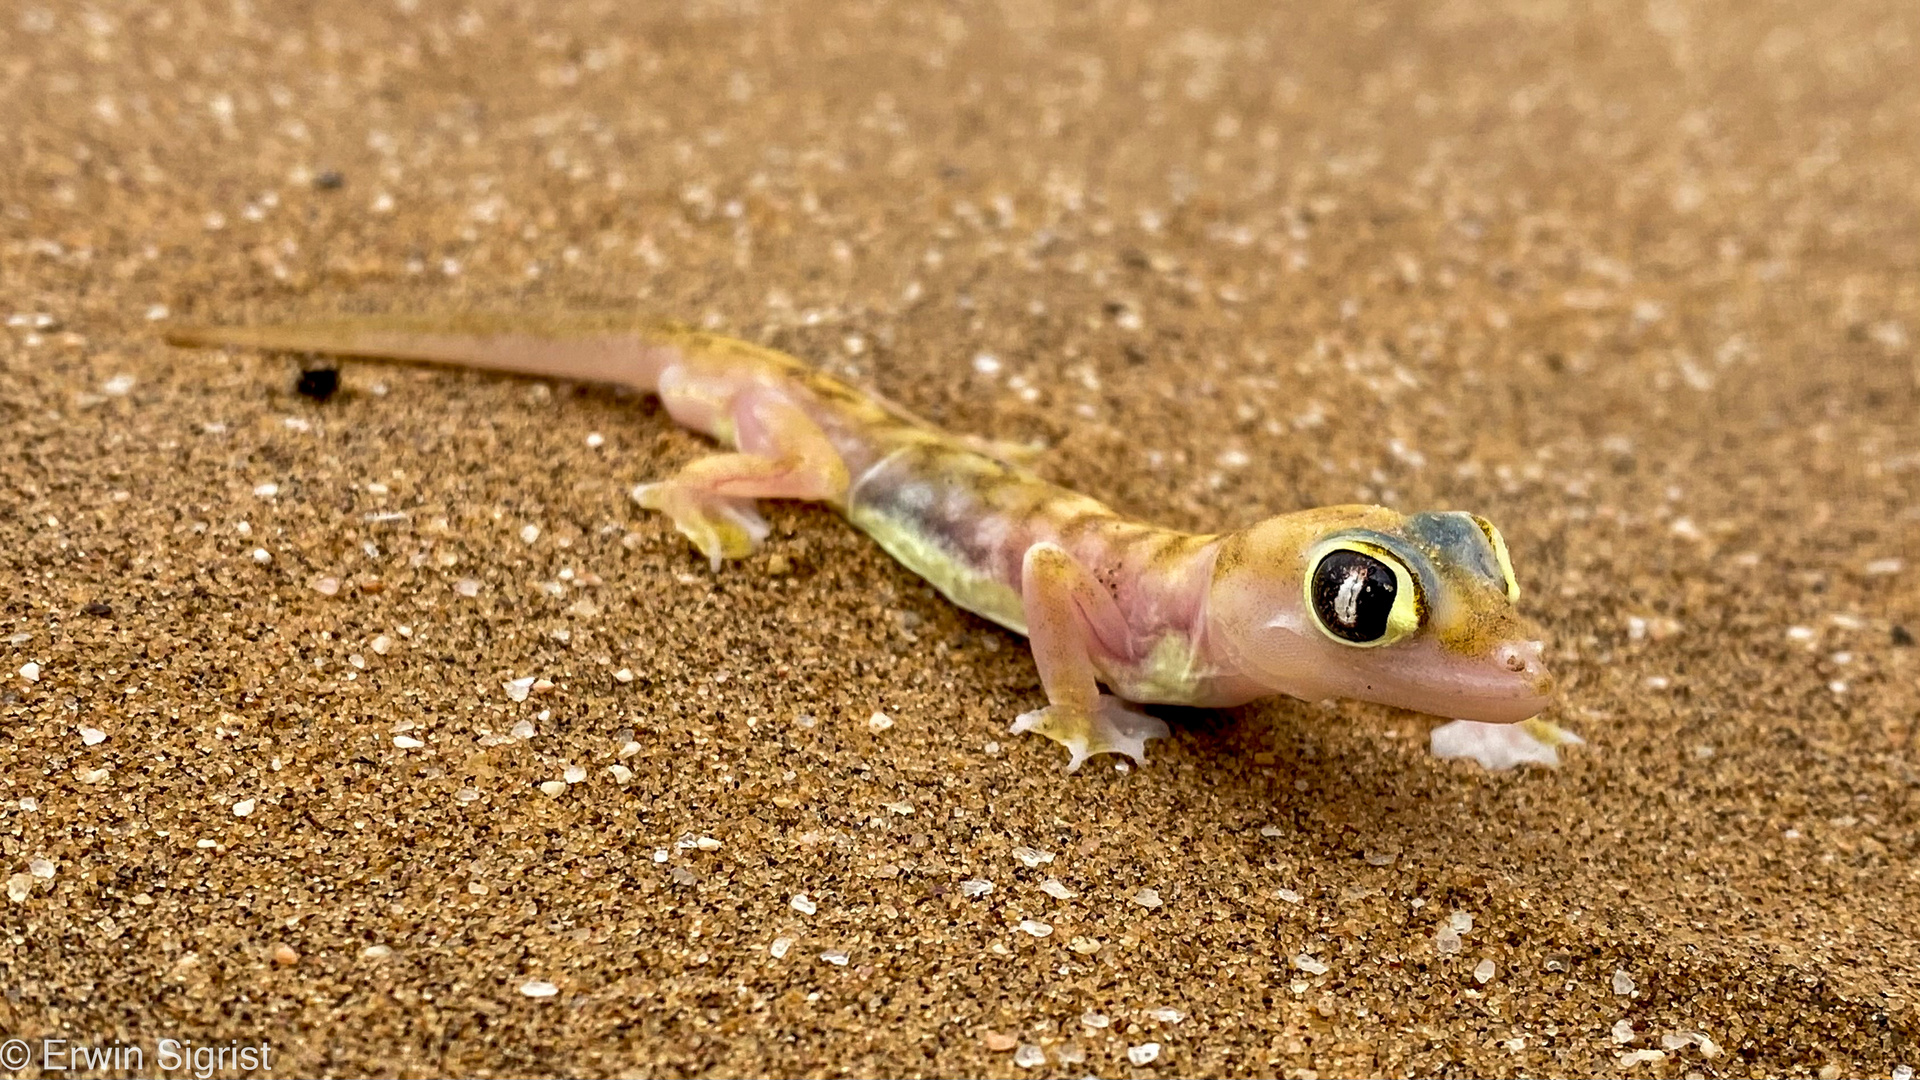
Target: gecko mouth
(1509, 685)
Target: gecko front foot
(721, 526)
(1111, 727)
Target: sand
(1641, 283)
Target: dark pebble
(318, 384)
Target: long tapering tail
(625, 352)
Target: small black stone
(98, 610)
(1902, 636)
(318, 384)
(329, 180)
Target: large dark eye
(1352, 594)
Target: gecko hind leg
(1071, 618)
(783, 455)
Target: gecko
(1416, 611)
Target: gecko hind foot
(1111, 727)
(721, 526)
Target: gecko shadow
(1339, 777)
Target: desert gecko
(1410, 610)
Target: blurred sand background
(1640, 282)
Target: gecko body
(1349, 601)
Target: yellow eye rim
(1409, 604)
(1500, 552)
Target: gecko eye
(1500, 552)
(1360, 594)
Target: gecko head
(1415, 611)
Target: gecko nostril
(1520, 657)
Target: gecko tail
(628, 353)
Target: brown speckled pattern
(1637, 282)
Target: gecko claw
(1109, 728)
